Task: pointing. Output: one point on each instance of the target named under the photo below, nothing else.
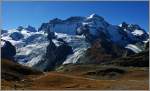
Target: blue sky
(34, 13)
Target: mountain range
(74, 40)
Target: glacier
(32, 48)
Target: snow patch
(137, 32)
(134, 48)
(2, 43)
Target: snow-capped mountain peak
(95, 16)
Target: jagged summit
(28, 28)
(56, 20)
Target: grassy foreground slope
(15, 76)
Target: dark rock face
(102, 51)
(62, 52)
(84, 30)
(113, 55)
(61, 40)
(51, 35)
(133, 27)
(43, 27)
(8, 51)
(50, 56)
(55, 21)
(147, 46)
(124, 25)
(28, 28)
(3, 31)
(16, 36)
(75, 19)
(106, 52)
(31, 29)
(124, 33)
(20, 28)
(55, 56)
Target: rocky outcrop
(3, 31)
(56, 55)
(43, 27)
(28, 28)
(8, 51)
(16, 36)
(20, 28)
(62, 52)
(147, 46)
(31, 29)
